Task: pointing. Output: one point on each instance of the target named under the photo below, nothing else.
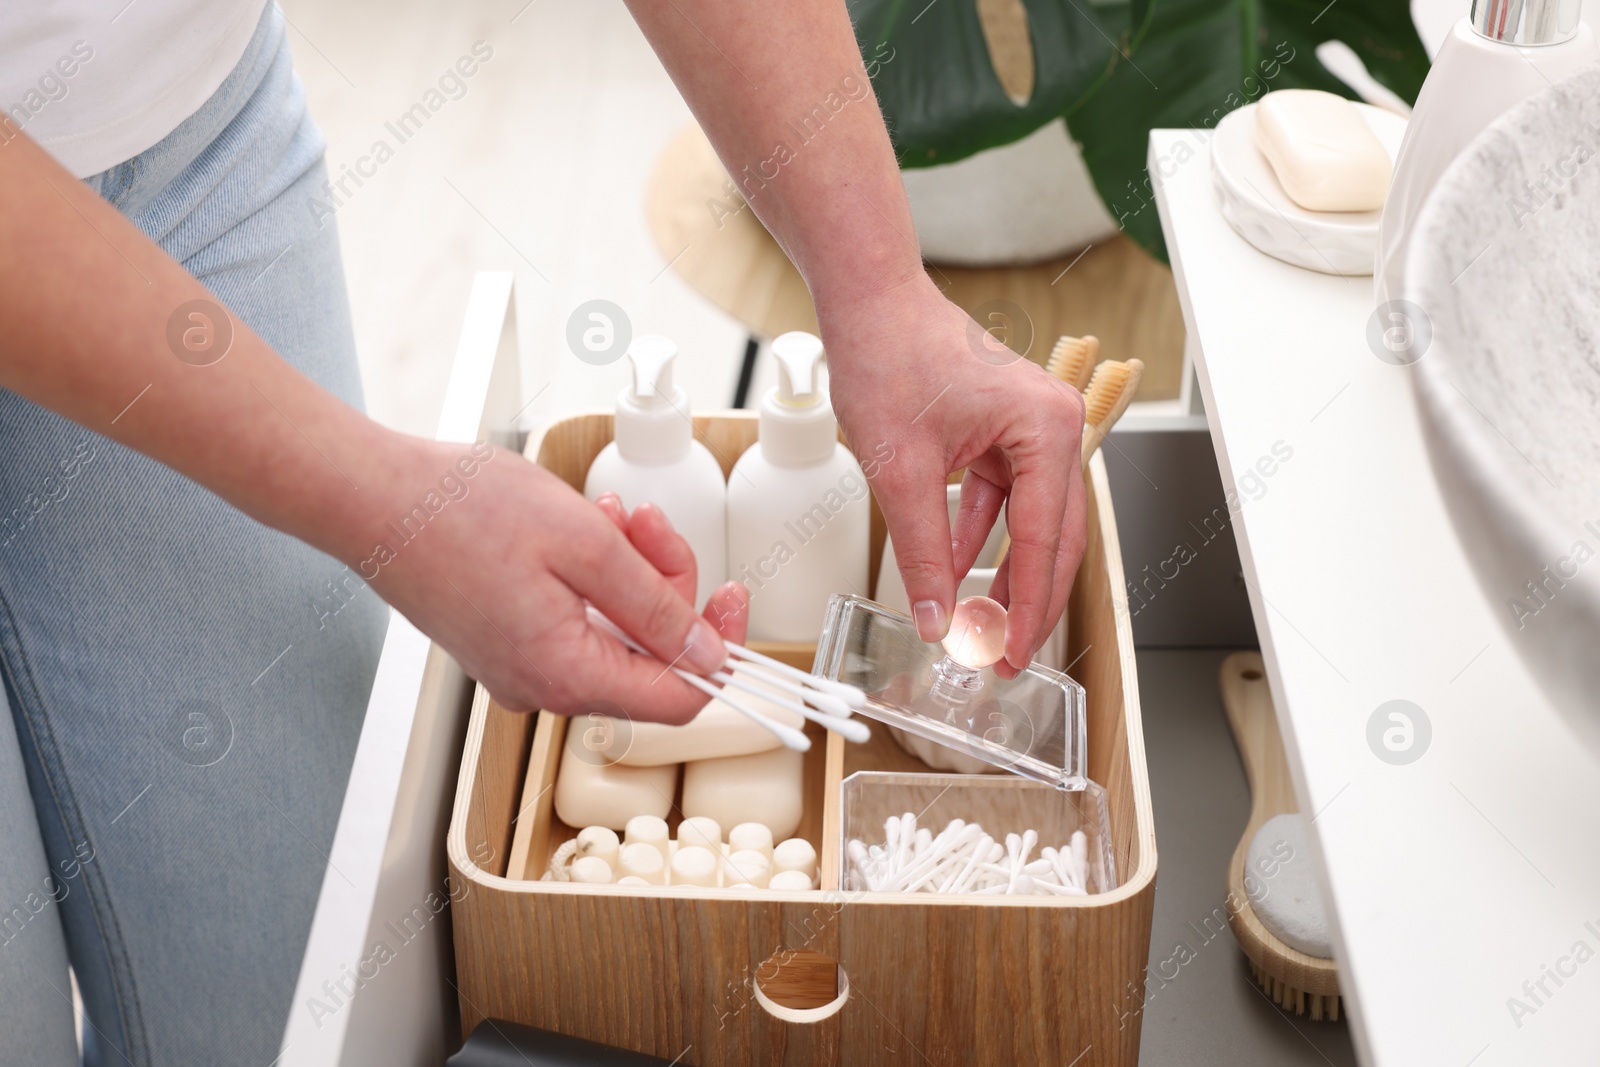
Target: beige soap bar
(718, 731)
(591, 792)
(1323, 152)
(767, 788)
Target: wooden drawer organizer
(719, 977)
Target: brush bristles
(1110, 378)
(1072, 360)
(1298, 1001)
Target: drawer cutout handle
(798, 985)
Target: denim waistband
(133, 183)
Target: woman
(185, 473)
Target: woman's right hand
(500, 575)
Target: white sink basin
(1508, 278)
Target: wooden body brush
(1296, 980)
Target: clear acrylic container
(1031, 725)
(1002, 804)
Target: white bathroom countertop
(1462, 881)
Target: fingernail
(705, 650)
(932, 623)
(664, 520)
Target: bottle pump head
(652, 425)
(1526, 22)
(799, 355)
(651, 355)
(797, 424)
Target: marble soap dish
(1255, 205)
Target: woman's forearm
(783, 94)
(98, 324)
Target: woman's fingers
(603, 566)
(729, 611)
(664, 548)
(981, 501)
(911, 494)
(643, 689)
(611, 505)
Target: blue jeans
(185, 690)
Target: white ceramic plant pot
(1024, 202)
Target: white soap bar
(716, 732)
(1323, 152)
(795, 854)
(765, 788)
(593, 793)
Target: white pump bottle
(799, 510)
(1498, 56)
(653, 458)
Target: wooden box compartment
(821, 977)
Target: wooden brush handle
(1247, 700)
(1248, 703)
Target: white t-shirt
(97, 82)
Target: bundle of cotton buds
(962, 858)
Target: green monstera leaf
(1116, 71)
(931, 69)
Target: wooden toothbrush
(1110, 392)
(1073, 359)
(1107, 389)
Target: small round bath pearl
(795, 854)
(591, 870)
(648, 830)
(693, 865)
(600, 842)
(702, 831)
(644, 861)
(790, 880)
(753, 836)
(977, 636)
(631, 879)
(749, 866)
